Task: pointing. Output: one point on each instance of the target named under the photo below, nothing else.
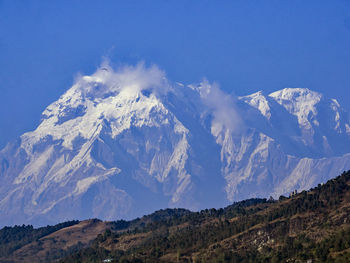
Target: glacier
(123, 143)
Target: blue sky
(245, 46)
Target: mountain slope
(291, 138)
(312, 225)
(119, 144)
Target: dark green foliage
(12, 238)
(182, 233)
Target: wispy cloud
(222, 105)
(136, 78)
(126, 78)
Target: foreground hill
(121, 144)
(312, 225)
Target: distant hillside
(311, 226)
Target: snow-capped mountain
(121, 144)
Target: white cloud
(222, 105)
(131, 78)
(139, 77)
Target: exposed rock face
(122, 144)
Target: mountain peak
(123, 98)
(298, 97)
(258, 101)
(300, 102)
(121, 143)
(295, 93)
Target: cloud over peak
(127, 78)
(222, 106)
(134, 79)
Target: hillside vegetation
(312, 226)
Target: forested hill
(311, 226)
